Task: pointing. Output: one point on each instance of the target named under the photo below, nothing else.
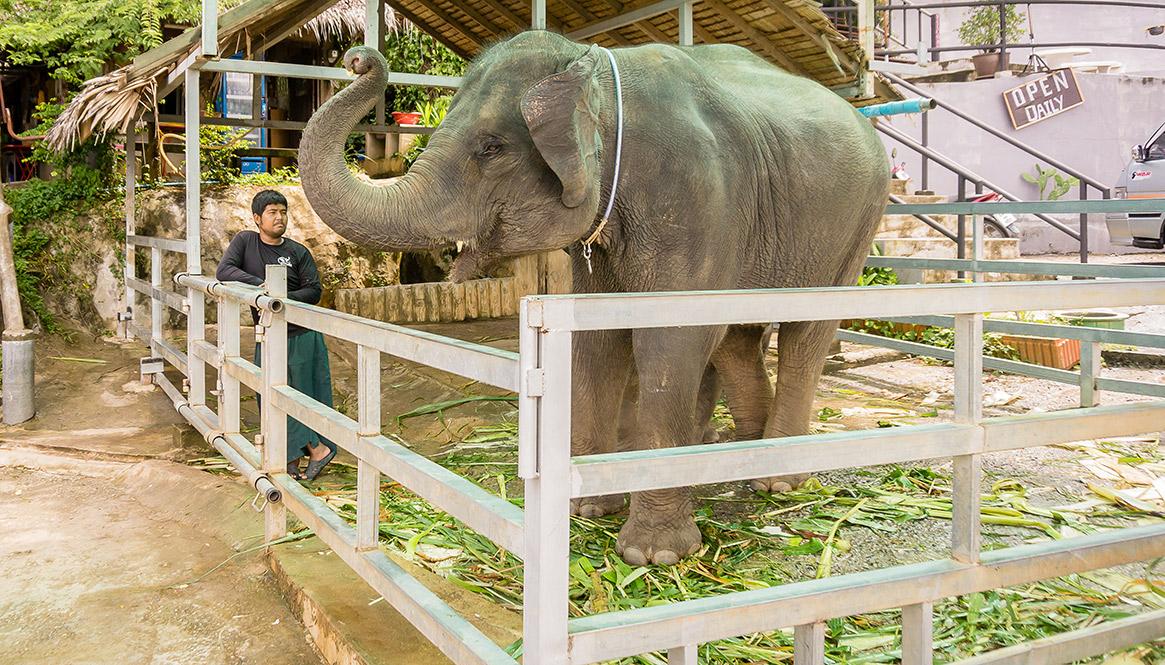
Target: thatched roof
(111, 103)
(793, 34)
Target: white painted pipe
(19, 376)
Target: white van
(1143, 178)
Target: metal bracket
(535, 382)
(259, 495)
(150, 367)
(186, 386)
(186, 306)
(127, 315)
(153, 365)
(266, 317)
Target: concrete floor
(91, 574)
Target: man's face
(273, 222)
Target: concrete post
(17, 346)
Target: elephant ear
(562, 113)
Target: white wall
(1119, 111)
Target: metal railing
(541, 375)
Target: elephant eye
(490, 149)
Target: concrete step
(924, 198)
(909, 226)
(995, 249)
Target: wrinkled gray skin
(734, 175)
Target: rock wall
(225, 211)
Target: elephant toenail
(780, 486)
(665, 558)
(634, 556)
(590, 511)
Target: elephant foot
(597, 506)
(778, 484)
(710, 435)
(663, 543)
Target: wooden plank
(448, 296)
(517, 21)
(392, 304)
(510, 296)
(478, 17)
(287, 25)
(458, 299)
(433, 32)
(758, 38)
(379, 304)
(408, 303)
(471, 307)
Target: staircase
(905, 235)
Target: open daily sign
(1042, 98)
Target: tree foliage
(410, 50)
(76, 38)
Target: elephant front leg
(801, 350)
(660, 528)
(601, 367)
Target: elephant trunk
(396, 217)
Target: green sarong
(308, 372)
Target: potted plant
(981, 28)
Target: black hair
(265, 198)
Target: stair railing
(966, 176)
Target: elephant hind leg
(801, 350)
(740, 361)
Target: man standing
(246, 260)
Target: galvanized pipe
(255, 478)
(19, 361)
(19, 376)
(248, 295)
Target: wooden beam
(288, 25)
(432, 30)
(443, 16)
(506, 13)
(650, 30)
(757, 37)
(477, 16)
(839, 58)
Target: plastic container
(1094, 318)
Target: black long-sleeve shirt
(246, 260)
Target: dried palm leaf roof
(793, 34)
(111, 103)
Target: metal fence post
(228, 347)
(274, 421)
(967, 472)
(196, 312)
(544, 595)
(155, 304)
(809, 644)
(1090, 366)
(684, 17)
(130, 229)
(918, 634)
(367, 477)
(685, 655)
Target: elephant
(733, 175)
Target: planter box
(1046, 351)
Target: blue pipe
(916, 105)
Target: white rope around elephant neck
(618, 159)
